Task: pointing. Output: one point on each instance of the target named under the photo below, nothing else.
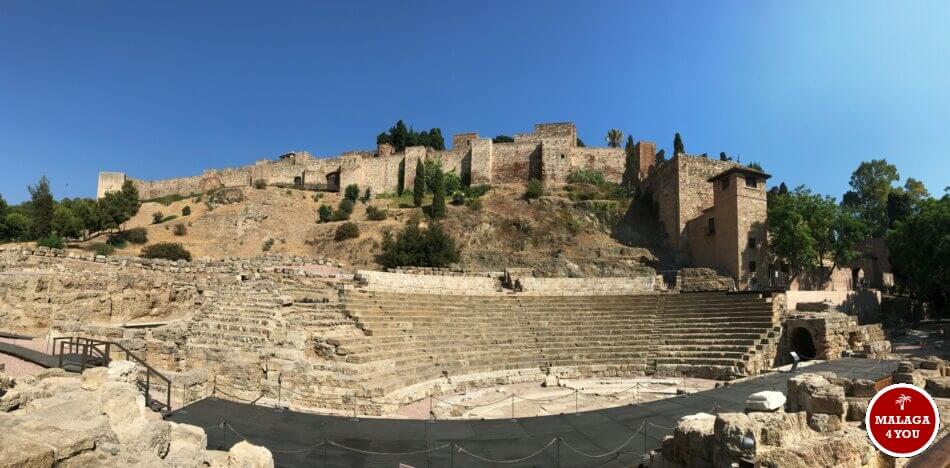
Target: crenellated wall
(549, 153)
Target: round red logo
(902, 420)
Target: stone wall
(860, 303)
(489, 284)
(550, 152)
(428, 284)
(586, 286)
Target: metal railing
(92, 353)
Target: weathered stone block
(828, 399)
(938, 387)
(765, 401)
(824, 423)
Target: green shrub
(586, 176)
(180, 230)
(288, 192)
(346, 231)
(101, 248)
(477, 191)
(186, 211)
(451, 181)
(474, 204)
(352, 192)
(136, 235)
(169, 199)
(166, 250)
(458, 198)
(260, 184)
(325, 213)
(414, 246)
(376, 214)
(437, 210)
(169, 218)
(318, 196)
(535, 189)
(117, 241)
(52, 241)
(367, 195)
(344, 210)
(157, 217)
(267, 245)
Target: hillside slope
(553, 235)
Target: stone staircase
(242, 317)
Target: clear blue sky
(163, 89)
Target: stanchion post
(214, 387)
(224, 434)
(557, 453)
(638, 392)
(453, 449)
(575, 407)
(645, 438)
(512, 407)
(431, 413)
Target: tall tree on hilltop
(400, 135)
(503, 139)
(631, 166)
(661, 156)
(614, 137)
(871, 183)
(436, 140)
(678, 147)
(438, 195)
(419, 184)
(580, 143)
(723, 156)
(41, 208)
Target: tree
(580, 143)
(438, 196)
(807, 230)
(920, 252)
(614, 137)
(3, 216)
(534, 190)
(503, 139)
(723, 156)
(400, 137)
(436, 140)
(65, 223)
(419, 184)
(916, 189)
(631, 167)
(661, 156)
(414, 246)
(754, 165)
(325, 213)
(17, 226)
(900, 205)
(870, 185)
(678, 147)
(41, 208)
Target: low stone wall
(428, 284)
(861, 303)
(587, 286)
(489, 284)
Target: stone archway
(802, 342)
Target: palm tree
(902, 400)
(614, 137)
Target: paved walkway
(607, 437)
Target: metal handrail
(90, 349)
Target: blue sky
(164, 89)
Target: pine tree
(661, 156)
(722, 156)
(438, 196)
(678, 145)
(41, 208)
(400, 135)
(419, 185)
(435, 138)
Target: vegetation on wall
(503, 139)
(614, 137)
(167, 251)
(419, 184)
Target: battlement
(549, 153)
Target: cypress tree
(630, 165)
(438, 195)
(678, 144)
(419, 185)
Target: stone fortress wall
(549, 153)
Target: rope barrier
(661, 427)
(232, 396)
(548, 400)
(588, 455)
(552, 442)
(242, 436)
(388, 454)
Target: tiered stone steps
(241, 318)
(411, 338)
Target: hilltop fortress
(549, 153)
(713, 211)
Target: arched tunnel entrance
(803, 343)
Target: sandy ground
(19, 368)
(532, 399)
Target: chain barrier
(387, 454)
(601, 455)
(661, 427)
(552, 442)
(242, 436)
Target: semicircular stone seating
(415, 338)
